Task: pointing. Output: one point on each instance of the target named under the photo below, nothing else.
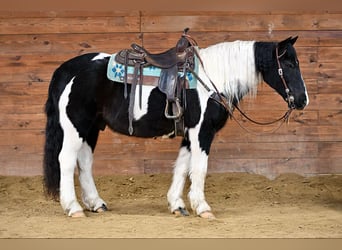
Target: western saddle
(180, 58)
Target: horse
(82, 101)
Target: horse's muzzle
(301, 102)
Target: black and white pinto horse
(82, 101)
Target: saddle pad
(116, 73)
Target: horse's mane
(231, 66)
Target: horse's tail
(53, 139)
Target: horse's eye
(289, 64)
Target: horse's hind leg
(67, 159)
(90, 196)
(72, 143)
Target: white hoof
(101, 209)
(78, 214)
(207, 215)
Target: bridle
(290, 98)
(222, 100)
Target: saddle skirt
(151, 74)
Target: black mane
(264, 55)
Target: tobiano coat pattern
(82, 101)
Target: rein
(223, 101)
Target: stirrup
(179, 112)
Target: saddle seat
(163, 60)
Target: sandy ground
(246, 206)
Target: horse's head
(283, 74)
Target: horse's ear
(293, 39)
(283, 44)
(290, 40)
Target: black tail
(53, 140)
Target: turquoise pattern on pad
(116, 72)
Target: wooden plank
(330, 101)
(330, 55)
(259, 134)
(21, 167)
(82, 43)
(9, 14)
(329, 85)
(162, 40)
(37, 89)
(271, 168)
(330, 149)
(262, 102)
(15, 100)
(22, 109)
(231, 150)
(20, 151)
(24, 131)
(31, 73)
(326, 133)
(62, 47)
(329, 165)
(22, 121)
(325, 101)
(297, 118)
(15, 137)
(40, 68)
(122, 166)
(154, 22)
(330, 117)
(264, 150)
(85, 24)
(112, 164)
(329, 70)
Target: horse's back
(69, 69)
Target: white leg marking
(180, 173)
(90, 196)
(68, 156)
(198, 171)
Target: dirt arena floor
(246, 206)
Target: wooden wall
(33, 44)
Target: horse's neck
(231, 66)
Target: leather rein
(223, 101)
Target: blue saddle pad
(116, 72)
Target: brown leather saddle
(177, 59)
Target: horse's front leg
(180, 173)
(198, 172)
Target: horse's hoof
(207, 215)
(78, 214)
(102, 209)
(181, 212)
